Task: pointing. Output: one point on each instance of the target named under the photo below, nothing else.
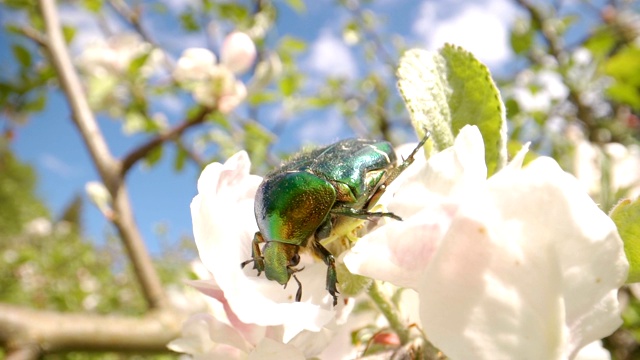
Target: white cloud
(57, 166)
(330, 56)
(481, 28)
(86, 24)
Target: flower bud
(238, 52)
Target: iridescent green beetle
(296, 204)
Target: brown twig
(34, 35)
(131, 17)
(108, 167)
(141, 151)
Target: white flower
(238, 52)
(100, 197)
(114, 56)
(539, 91)
(194, 64)
(211, 84)
(521, 263)
(224, 335)
(620, 165)
(39, 226)
(223, 226)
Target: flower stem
(390, 312)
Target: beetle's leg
(299, 292)
(324, 230)
(363, 214)
(332, 276)
(256, 254)
(395, 172)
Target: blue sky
(159, 195)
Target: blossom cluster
(523, 262)
(114, 67)
(213, 83)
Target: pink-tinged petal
(250, 332)
(399, 251)
(223, 225)
(205, 337)
(238, 52)
(530, 265)
(269, 349)
(450, 173)
(426, 197)
(312, 343)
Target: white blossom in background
(214, 84)
(100, 197)
(113, 56)
(585, 75)
(39, 226)
(238, 52)
(194, 65)
(620, 164)
(539, 91)
(522, 263)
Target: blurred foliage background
(574, 93)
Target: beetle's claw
(258, 264)
(299, 292)
(333, 292)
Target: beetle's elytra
(297, 203)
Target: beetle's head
(280, 259)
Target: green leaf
(262, 98)
(289, 84)
(180, 159)
(35, 105)
(134, 122)
(448, 89)
(188, 21)
(22, 55)
(626, 216)
(136, 64)
(297, 5)
(237, 13)
(69, 32)
(93, 5)
(624, 68)
(153, 156)
(292, 44)
(521, 37)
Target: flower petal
(269, 349)
(223, 226)
(398, 252)
(529, 266)
(426, 197)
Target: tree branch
(108, 167)
(27, 332)
(140, 152)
